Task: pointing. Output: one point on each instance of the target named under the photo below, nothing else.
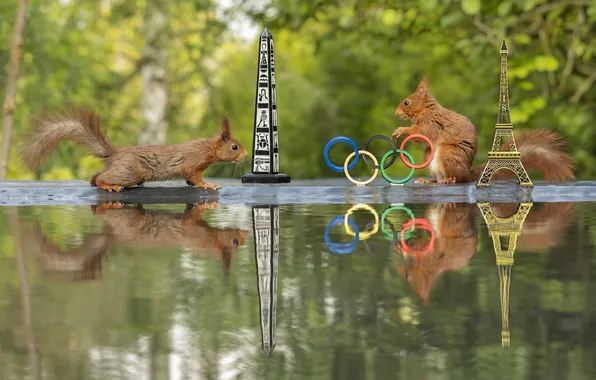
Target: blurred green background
(343, 67)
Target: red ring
(417, 137)
(425, 225)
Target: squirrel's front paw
(211, 186)
(202, 206)
(399, 132)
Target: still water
(298, 292)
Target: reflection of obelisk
(265, 158)
(266, 234)
(504, 232)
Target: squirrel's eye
(235, 242)
(406, 103)
(234, 147)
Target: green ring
(397, 181)
(388, 234)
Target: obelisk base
(265, 178)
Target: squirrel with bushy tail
(132, 165)
(454, 138)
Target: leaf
(546, 63)
(470, 7)
(504, 8)
(393, 17)
(522, 39)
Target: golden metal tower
(504, 232)
(498, 159)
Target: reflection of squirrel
(455, 142)
(82, 263)
(456, 238)
(133, 165)
(138, 227)
(456, 241)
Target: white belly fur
(434, 165)
(434, 216)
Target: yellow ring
(362, 235)
(361, 183)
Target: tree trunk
(32, 348)
(154, 97)
(11, 85)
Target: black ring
(393, 156)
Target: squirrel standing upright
(132, 165)
(454, 139)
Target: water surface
(188, 292)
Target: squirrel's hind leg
(116, 178)
(93, 179)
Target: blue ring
(340, 169)
(342, 248)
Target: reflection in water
(504, 232)
(452, 240)
(266, 232)
(32, 346)
(455, 242)
(372, 228)
(138, 227)
(168, 313)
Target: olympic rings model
(375, 165)
(425, 225)
(427, 141)
(361, 183)
(341, 248)
(363, 235)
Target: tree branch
(584, 87)
(11, 85)
(571, 50)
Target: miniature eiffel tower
(498, 159)
(504, 233)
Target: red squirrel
(455, 142)
(132, 165)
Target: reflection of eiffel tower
(504, 232)
(266, 235)
(504, 129)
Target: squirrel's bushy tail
(541, 150)
(79, 125)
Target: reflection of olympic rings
(389, 235)
(363, 235)
(375, 165)
(352, 229)
(425, 225)
(341, 248)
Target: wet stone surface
(331, 191)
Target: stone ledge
(325, 191)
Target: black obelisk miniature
(265, 146)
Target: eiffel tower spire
(503, 116)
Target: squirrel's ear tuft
(423, 86)
(225, 129)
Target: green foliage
(343, 67)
